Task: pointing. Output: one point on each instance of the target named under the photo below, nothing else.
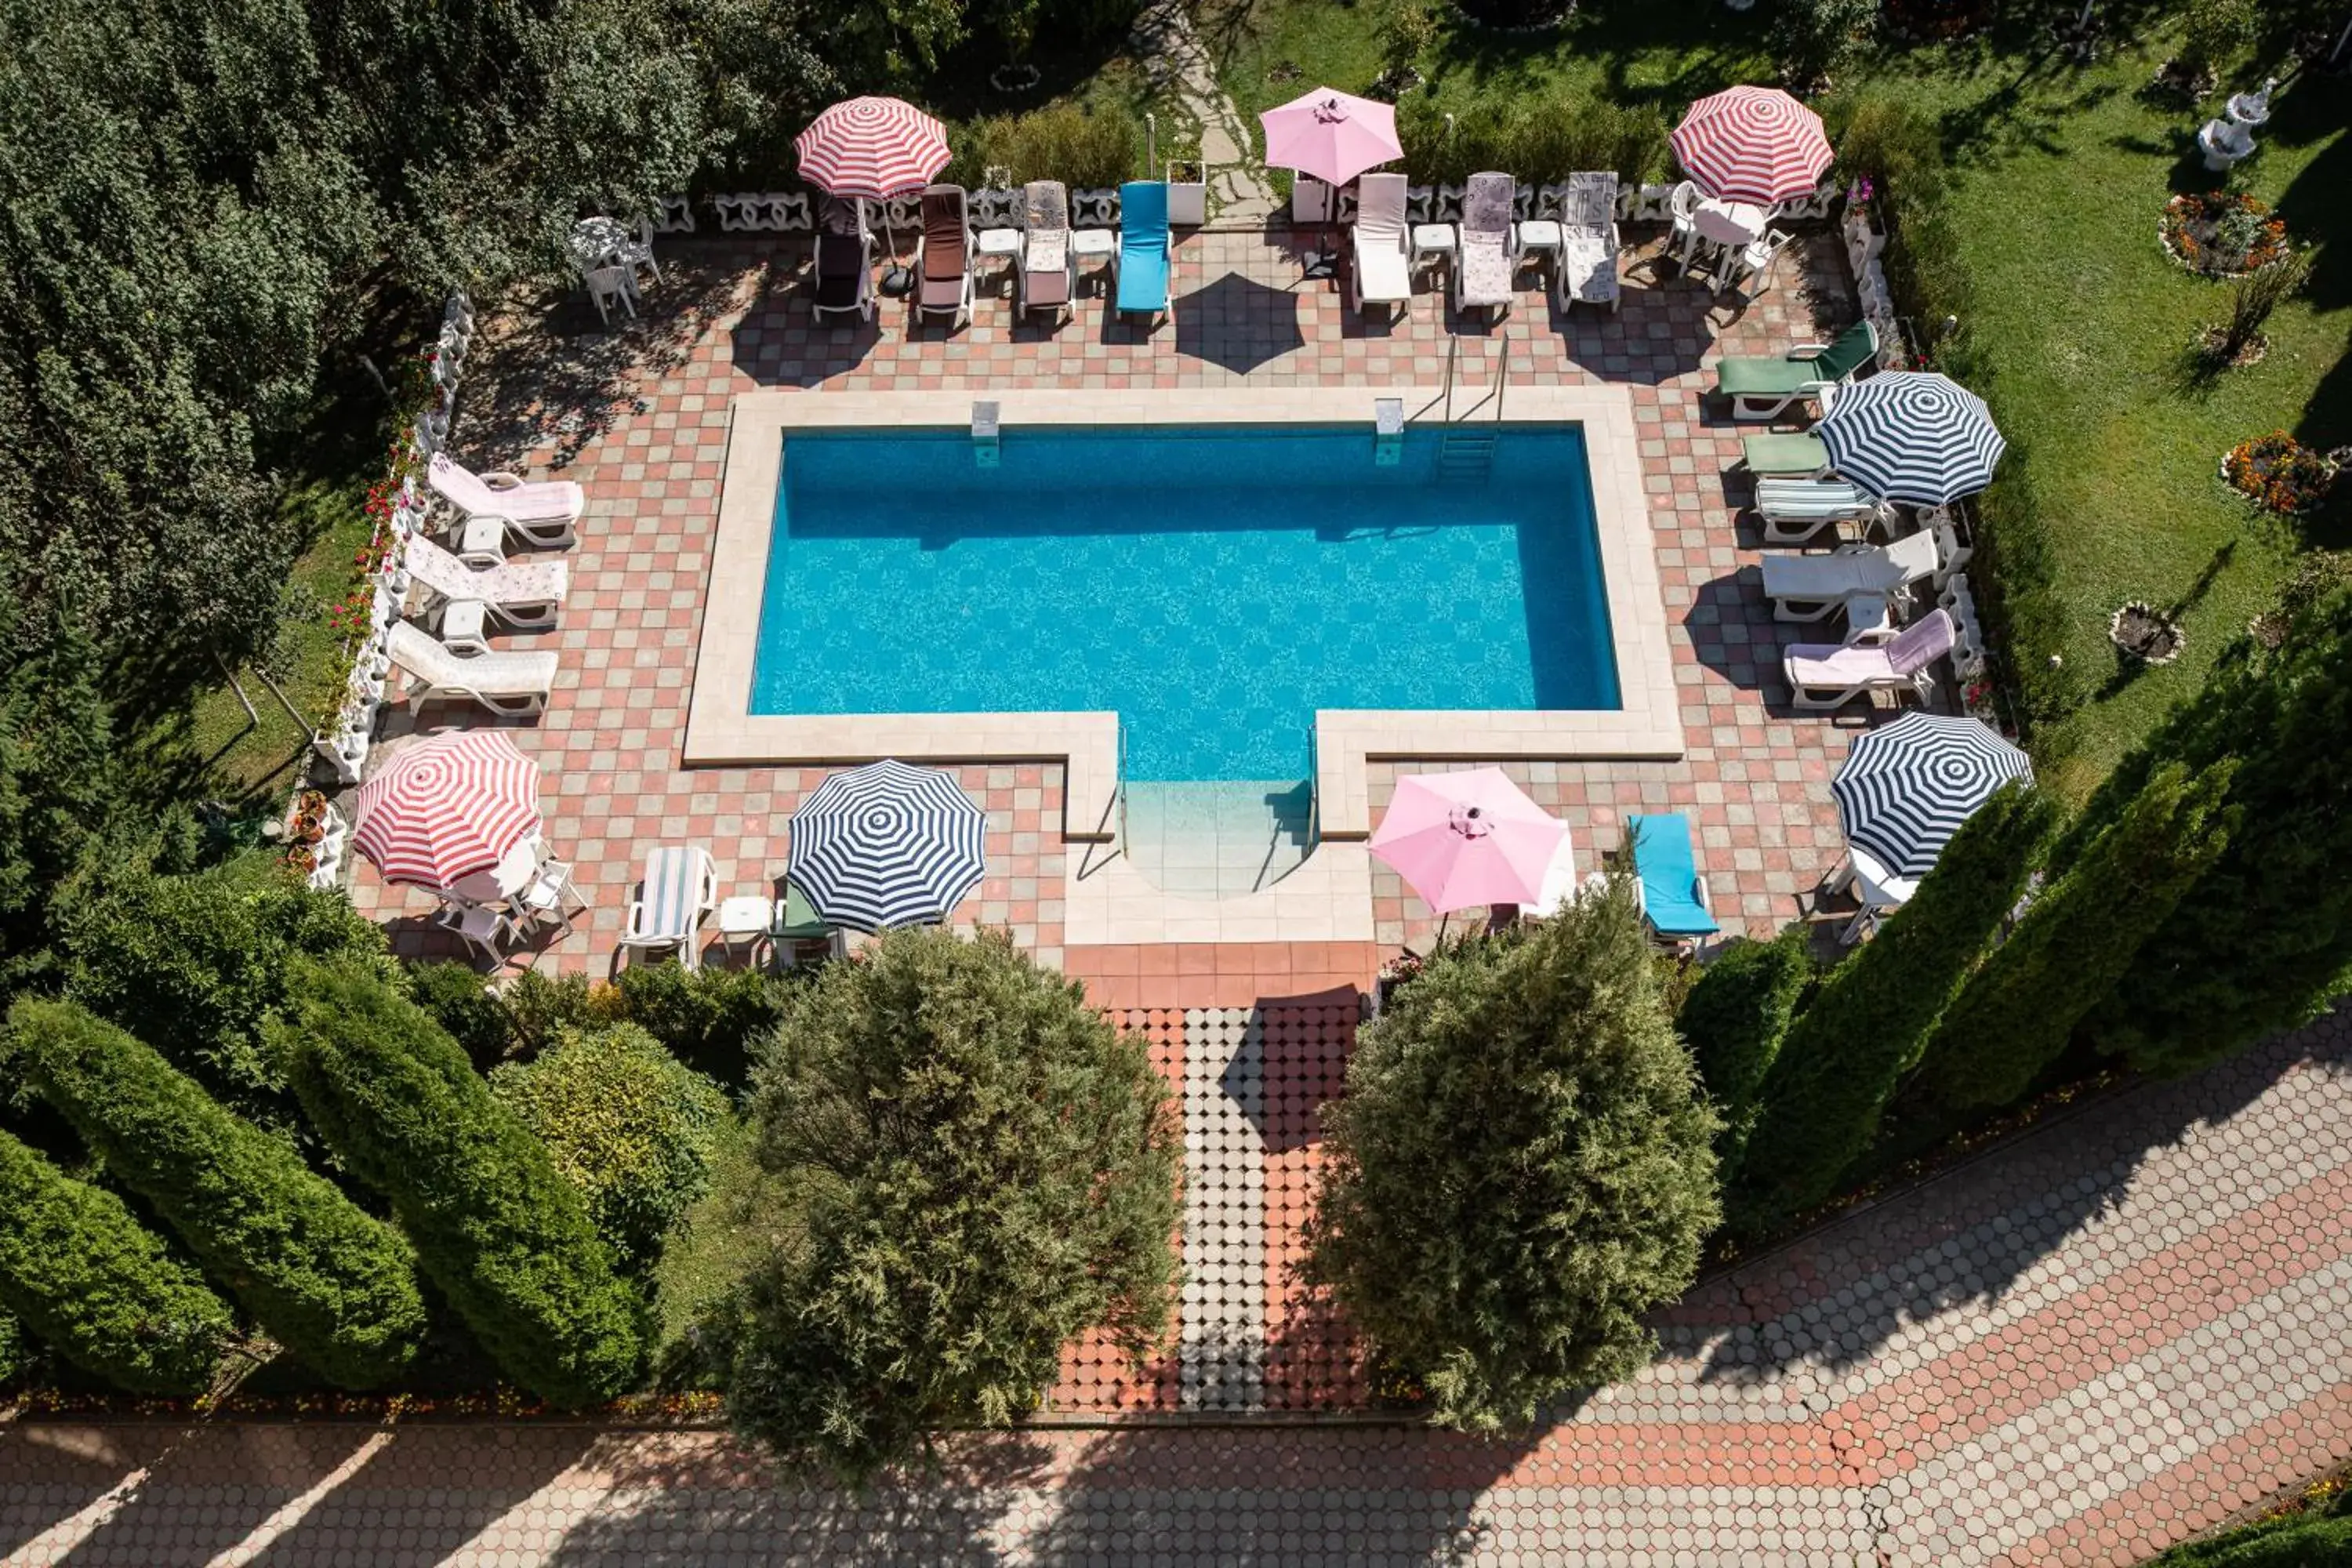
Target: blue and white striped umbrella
(1906, 786)
(887, 844)
(1911, 436)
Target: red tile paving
(2157, 1288)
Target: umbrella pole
(1444, 915)
(896, 279)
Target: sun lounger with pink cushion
(539, 511)
(1830, 675)
(524, 595)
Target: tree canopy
(1521, 1167)
(986, 1168)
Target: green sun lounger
(1797, 456)
(1762, 387)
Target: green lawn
(2081, 322)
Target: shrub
(1866, 1026)
(2014, 1016)
(195, 965)
(989, 1169)
(1407, 32)
(59, 777)
(706, 1016)
(1084, 147)
(2306, 1540)
(78, 1270)
(2261, 943)
(15, 1353)
(626, 1123)
(2252, 300)
(541, 1009)
(2215, 32)
(1540, 140)
(505, 1236)
(1733, 1021)
(333, 1286)
(1519, 1170)
(1812, 39)
(459, 1001)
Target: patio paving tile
(2098, 1341)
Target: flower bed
(2279, 473)
(2221, 233)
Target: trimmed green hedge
(503, 1234)
(99, 1289)
(1734, 1019)
(1867, 1023)
(333, 1286)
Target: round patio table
(596, 242)
(1731, 225)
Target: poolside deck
(639, 416)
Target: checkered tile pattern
(2106, 1338)
(639, 416)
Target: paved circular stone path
(2075, 1350)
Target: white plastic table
(1727, 223)
(1094, 250)
(1540, 237)
(744, 919)
(1879, 888)
(1432, 242)
(998, 248)
(596, 242)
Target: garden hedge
(333, 1285)
(1734, 1019)
(2015, 1017)
(505, 1236)
(1866, 1025)
(99, 1289)
(1520, 1169)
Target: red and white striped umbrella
(448, 807)
(871, 147)
(1752, 144)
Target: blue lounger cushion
(1661, 856)
(1143, 245)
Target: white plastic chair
(483, 927)
(610, 286)
(1756, 258)
(639, 252)
(547, 899)
(1682, 204)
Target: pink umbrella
(448, 807)
(1466, 839)
(1752, 144)
(1331, 135)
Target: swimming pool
(1215, 585)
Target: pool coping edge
(722, 731)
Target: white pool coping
(722, 729)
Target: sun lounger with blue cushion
(1144, 262)
(1674, 896)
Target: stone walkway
(2079, 1350)
(1239, 196)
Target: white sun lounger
(1382, 273)
(514, 685)
(1795, 510)
(1830, 675)
(524, 595)
(1808, 588)
(680, 887)
(541, 512)
(1483, 262)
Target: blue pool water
(1215, 585)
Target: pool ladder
(1466, 453)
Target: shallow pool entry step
(1221, 839)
